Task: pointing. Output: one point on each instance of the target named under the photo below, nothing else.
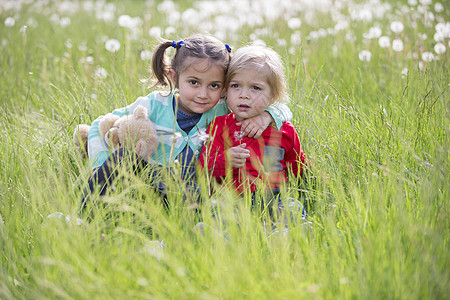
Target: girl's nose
(202, 92)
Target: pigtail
(159, 65)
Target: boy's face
(200, 86)
(249, 93)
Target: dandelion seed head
(124, 20)
(373, 33)
(146, 55)
(68, 43)
(427, 56)
(10, 22)
(384, 42)
(296, 38)
(64, 22)
(425, 2)
(404, 72)
(397, 26)
(23, 30)
(101, 73)
(438, 37)
(365, 55)
(439, 48)
(112, 45)
(438, 7)
(294, 23)
(32, 22)
(155, 32)
(397, 45)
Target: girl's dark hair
(195, 46)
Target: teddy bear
(80, 136)
(134, 132)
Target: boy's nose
(244, 94)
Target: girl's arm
(294, 156)
(277, 113)
(98, 150)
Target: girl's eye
(234, 85)
(257, 88)
(193, 82)
(215, 85)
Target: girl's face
(249, 93)
(200, 85)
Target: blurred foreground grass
(377, 137)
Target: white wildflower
(64, 22)
(404, 72)
(438, 7)
(397, 26)
(112, 45)
(296, 38)
(443, 29)
(373, 33)
(439, 48)
(397, 45)
(412, 2)
(427, 56)
(425, 2)
(384, 42)
(9, 22)
(294, 23)
(365, 55)
(68, 43)
(32, 22)
(23, 30)
(146, 55)
(101, 73)
(124, 21)
(155, 32)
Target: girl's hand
(237, 156)
(253, 127)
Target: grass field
(369, 83)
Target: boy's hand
(253, 127)
(237, 156)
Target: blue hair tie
(180, 43)
(228, 47)
(174, 44)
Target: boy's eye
(215, 85)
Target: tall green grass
(378, 211)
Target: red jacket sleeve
(213, 152)
(294, 157)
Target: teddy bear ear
(107, 122)
(80, 136)
(112, 137)
(140, 112)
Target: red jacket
(270, 155)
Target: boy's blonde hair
(264, 59)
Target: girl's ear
(173, 77)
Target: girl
(197, 70)
(255, 80)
